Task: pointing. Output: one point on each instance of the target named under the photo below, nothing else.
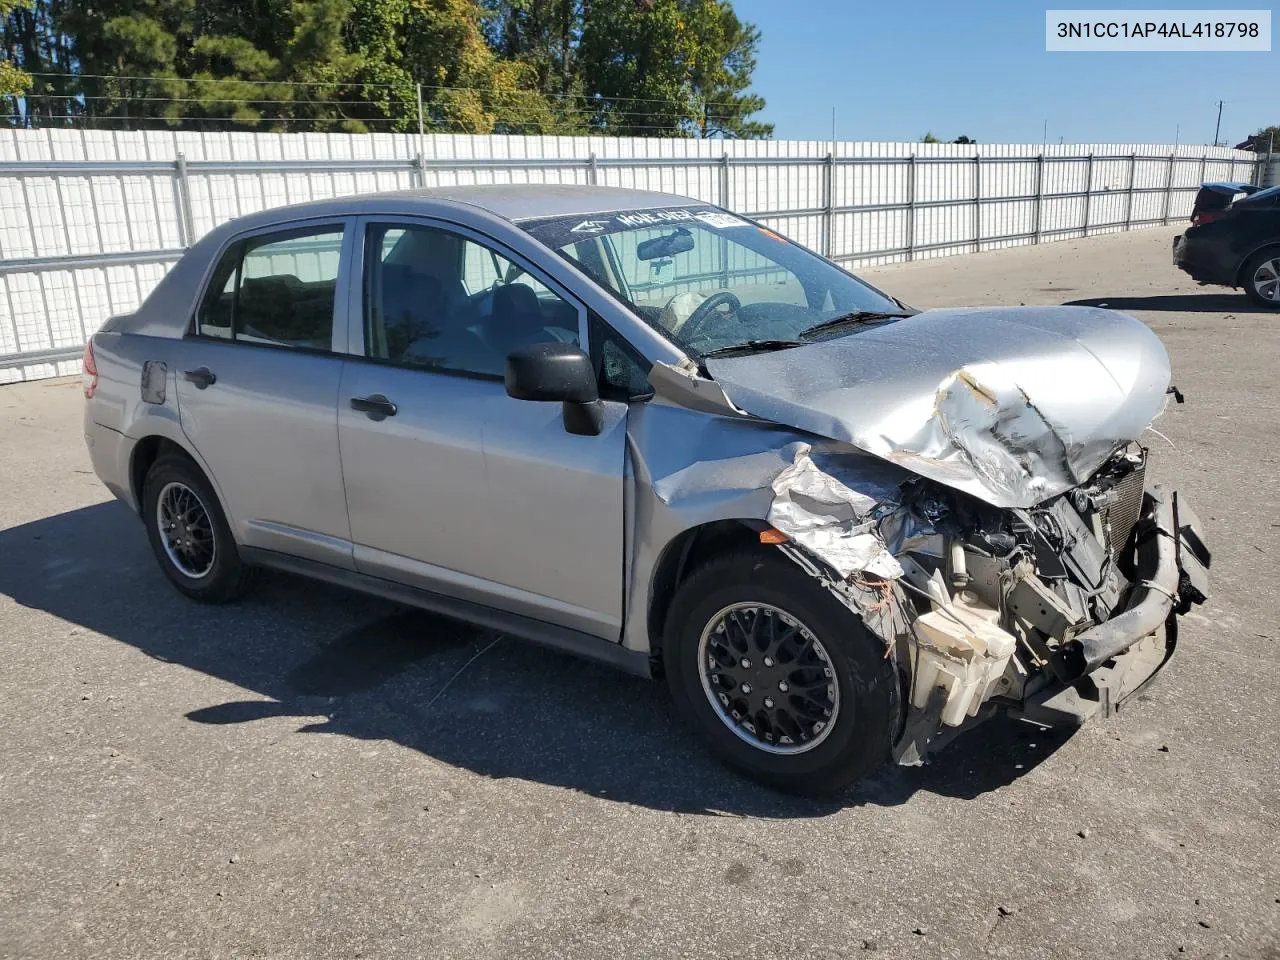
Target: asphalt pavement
(314, 774)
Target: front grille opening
(1121, 515)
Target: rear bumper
(110, 452)
(1202, 264)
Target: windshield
(711, 280)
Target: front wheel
(1262, 278)
(782, 681)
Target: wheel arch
(684, 553)
(1241, 279)
(150, 448)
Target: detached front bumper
(1172, 574)
(1110, 662)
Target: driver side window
(439, 300)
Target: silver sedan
(645, 430)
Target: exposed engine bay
(1055, 612)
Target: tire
(220, 576)
(862, 683)
(1260, 277)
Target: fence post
(828, 214)
(419, 86)
(186, 221)
(911, 207)
(724, 180)
(1128, 204)
(1168, 189)
(977, 204)
(420, 170)
(1035, 230)
(1088, 193)
(593, 172)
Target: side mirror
(558, 371)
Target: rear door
(453, 486)
(258, 386)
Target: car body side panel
(117, 417)
(693, 468)
(411, 479)
(1252, 229)
(267, 428)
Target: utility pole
(1045, 139)
(1218, 126)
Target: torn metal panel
(831, 519)
(689, 469)
(683, 386)
(1013, 405)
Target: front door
(258, 390)
(452, 485)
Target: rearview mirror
(558, 371)
(668, 245)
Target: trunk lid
(1212, 200)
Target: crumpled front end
(1012, 405)
(1057, 611)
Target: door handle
(201, 377)
(376, 406)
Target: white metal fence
(90, 220)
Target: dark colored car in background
(1212, 199)
(1235, 243)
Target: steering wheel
(692, 327)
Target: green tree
(642, 67)
(721, 73)
(637, 56)
(929, 138)
(1267, 135)
(14, 81)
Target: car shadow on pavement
(375, 671)
(1177, 302)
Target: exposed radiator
(1120, 517)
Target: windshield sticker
(715, 218)
(655, 217)
(558, 231)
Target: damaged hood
(1010, 404)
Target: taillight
(1201, 217)
(89, 379)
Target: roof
(516, 202)
(533, 201)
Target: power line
(597, 98)
(188, 120)
(529, 109)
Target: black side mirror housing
(558, 372)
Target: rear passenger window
(276, 290)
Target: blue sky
(896, 70)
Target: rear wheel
(782, 681)
(1261, 276)
(189, 534)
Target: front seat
(516, 320)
